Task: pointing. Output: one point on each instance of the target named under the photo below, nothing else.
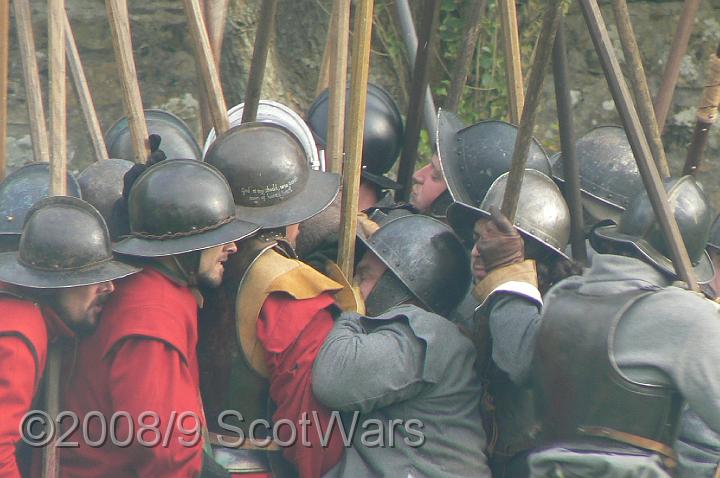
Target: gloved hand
(499, 243)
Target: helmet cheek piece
(387, 293)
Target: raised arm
(358, 369)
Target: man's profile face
(476, 261)
(212, 260)
(291, 234)
(368, 273)
(80, 307)
(428, 185)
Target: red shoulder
(283, 317)
(151, 306)
(23, 318)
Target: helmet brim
(143, 247)
(704, 269)
(445, 144)
(559, 178)
(462, 218)
(13, 272)
(383, 182)
(319, 192)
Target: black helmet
(177, 139)
(714, 240)
(178, 206)
(269, 175)
(277, 113)
(608, 172)
(542, 214)
(23, 188)
(640, 230)
(428, 259)
(102, 184)
(473, 158)
(382, 137)
(64, 243)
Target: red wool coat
(25, 331)
(292, 332)
(141, 360)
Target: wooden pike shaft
(324, 77)
(421, 73)
(132, 100)
(551, 21)
(663, 100)
(571, 168)
(340, 25)
(83, 93)
(208, 68)
(638, 142)
(356, 128)
(58, 97)
(50, 462)
(4, 70)
(638, 81)
(216, 16)
(33, 89)
(706, 116)
(58, 187)
(513, 65)
(464, 60)
(259, 59)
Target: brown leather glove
(499, 243)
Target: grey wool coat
(413, 367)
(670, 338)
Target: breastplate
(579, 384)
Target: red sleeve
(17, 384)
(150, 376)
(293, 331)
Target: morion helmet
(64, 243)
(382, 137)
(429, 264)
(270, 176)
(639, 229)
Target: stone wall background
(165, 65)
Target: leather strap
(226, 441)
(670, 458)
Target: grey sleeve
(360, 370)
(697, 446)
(696, 370)
(514, 324)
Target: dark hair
(555, 269)
(319, 231)
(551, 267)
